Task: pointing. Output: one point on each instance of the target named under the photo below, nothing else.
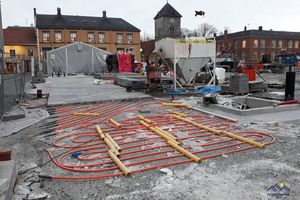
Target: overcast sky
(235, 14)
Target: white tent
(76, 58)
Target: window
(255, 55)
(290, 44)
(130, 50)
(91, 38)
(244, 44)
(262, 53)
(120, 50)
(279, 43)
(57, 36)
(46, 37)
(12, 52)
(255, 43)
(273, 43)
(129, 39)
(119, 38)
(296, 44)
(73, 36)
(273, 55)
(101, 37)
(262, 43)
(159, 31)
(30, 52)
(171, 30)
(236, 44)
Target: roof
(83, 22)
(19, 36)
(77, 44)
(263, 34)
(167, 11)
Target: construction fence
(13, 86)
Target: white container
(220, 73)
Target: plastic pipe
(174, 104)
(113, 142)
(144, 119)
(184, 152)
(87, 114)
(177, 113)
(121, 166)
(229, 134)
(114, 122)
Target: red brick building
(252, 45)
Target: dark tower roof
(167, 11)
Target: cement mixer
(186, 57)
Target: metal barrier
(13, 87)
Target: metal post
(67, 63)
(38, 46)
(175, 75)
(1, 67)
(93, 67)
(214, 60)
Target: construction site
(185, 121)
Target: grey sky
(235, 14)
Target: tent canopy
(76, 58)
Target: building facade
(253, 45)
(167, 23)
(19, 47)
(110, 34)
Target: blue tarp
(213, 89)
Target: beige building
(19, 47)
(110, 34)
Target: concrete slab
(8, 175)
(81, 89)
(15, 113)
(32, 116)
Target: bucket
(251, 74)
(39, 93)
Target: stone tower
(167, 23)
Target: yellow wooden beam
(119, 163)
(87, 114)
(229, 134)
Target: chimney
(245, 28)
(215, 34)
(34, 11)
(58, 11)
(260, 28)
(225, 32)
(104, 14)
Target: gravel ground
(244, 175)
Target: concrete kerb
(99, 102)
(8, 176)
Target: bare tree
(206, 30)
(146, 36)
